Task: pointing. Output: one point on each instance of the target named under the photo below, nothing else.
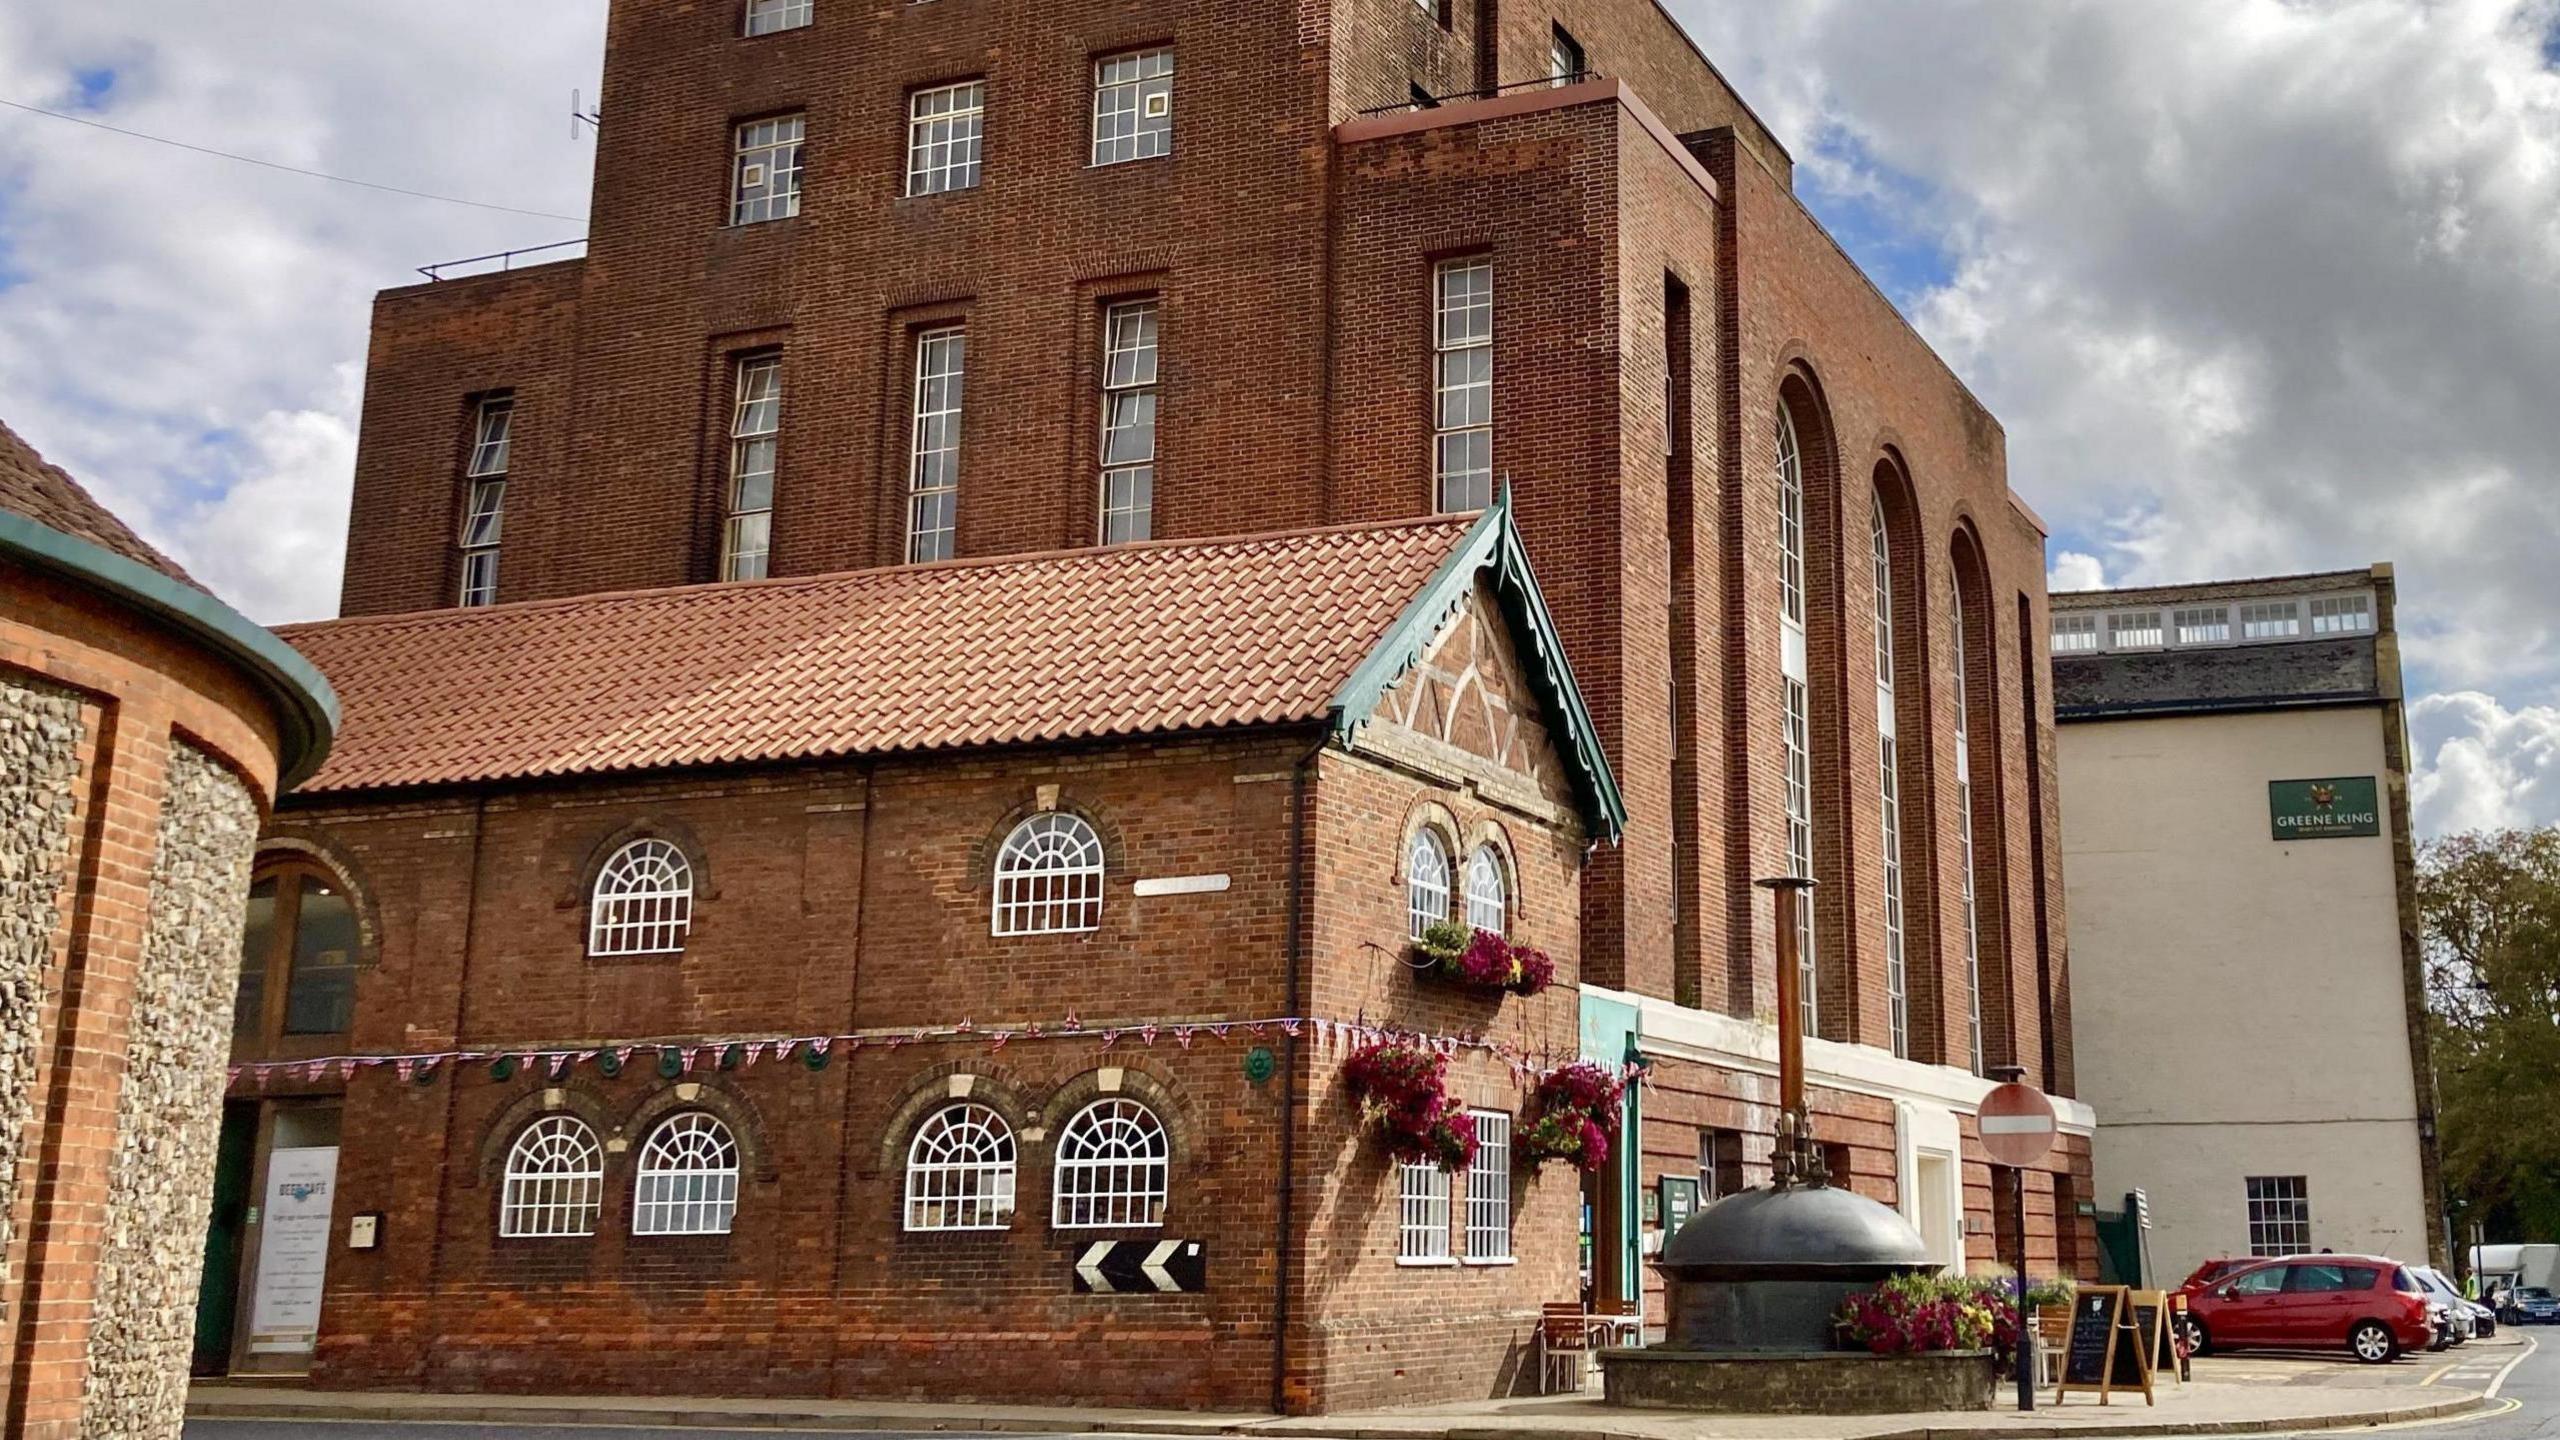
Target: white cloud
(2073, 570)
(185, 333)
(2482, 765)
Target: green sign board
(2336, 808)
(1679, 1201)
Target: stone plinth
(1828, 1382)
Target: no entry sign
(2017, 1125)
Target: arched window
(1795, 707)
(643, 902)
(1964, 832)
(1897, 983)
(1488, 892)
(1049, 877)
(297, 955)
(1112, 1168)
(1426, 880)
(960, 1171)
(555, 1180)
(688, 1178)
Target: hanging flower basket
(1403, 1090)
(1573, 1116)
(1482, 960)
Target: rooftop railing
(500, 260)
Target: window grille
(1488, 892)
(1049, 877)
(960, 1171)
(1422, 1210)
(2270, 620)
(2134, 629)
(2341, 615)
(1426, 881)
(944, 129)
(1489, 1189)
(2279, 1214)
(2074, 634)
(688, 1179)
(765, 180)
(933, 475)
(1462, 381)
(1112, 1168)
(1133, 107)
(554, 1180)
(755, 438)
(1128, 422)
(764, 17)
(643, 901)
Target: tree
(2489, 905)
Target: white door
(1935, 1173)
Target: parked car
(2369, 1304)
(2460, 1321)
(2536, 1306)
(2215, 1269)
(2484, 1321)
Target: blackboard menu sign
(2093, 1333)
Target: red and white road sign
(2017, 1125)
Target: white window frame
(484, 512)
(642, 901)
(1567, 60)
(933, 446)
(1488, 890)
(1795, 711)
(1968, 895)
(2278, 1214)
(1422, 1214)
(946, 138)
(2341, 615)
(2137, 630)
(1489, 1191)
(962, 1170)
(764, 171)
(1048, 877)
(772, 17)
(688, 1178)
(2200, 625)
(1132, 334)
(1133, 106)
(554, 1181)
(1462, 384)
(1427, 871)
(1897, 984)
(2076, 634)
(2271, 620)
(755, 449)
(1119, 1179)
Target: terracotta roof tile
(46, 494)
(1141, 639)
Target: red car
(2366, 1303)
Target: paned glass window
(933, 474)
(1133, 107)
(2270, 620)
(1113, 1168)
(2202, 624)
(764, 17)
(1799, 796)
(554, 1181)
(299, 938)
(1889, 786)
(1489, 1190)
(1462, 383)
(2133, 629)
(1565, 58)
(1049, 877)
(1422, 1212)
(2341, 615)
(484, 509)
(755, 440)
(1128, 422)
(688, 1179)
(944, 129)
(960, 1171)
(1488, 891)
(1426, 880)
(643, 901)
(2075, 634)
(1970, 902)
(2279, 1215)
(765, 177)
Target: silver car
(2457, 1322)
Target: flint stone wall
(40, 734)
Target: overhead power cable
(289, 169)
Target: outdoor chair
(1564, 1344)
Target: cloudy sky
(2255, 285)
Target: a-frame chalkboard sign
(2106, 1348)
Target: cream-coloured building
(2247, 987)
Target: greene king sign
(2329, 809)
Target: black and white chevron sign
(1141, 1267)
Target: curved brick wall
(39, 761)
(169, 1110)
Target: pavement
(2242, 1394)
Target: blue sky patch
(1882, 220)
(91, 86)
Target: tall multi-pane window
(944, 129)
(1049, 877)
(1897, 985)
(1422, 1213)
(554, 1181)
(764, 178)
(1113, 1167)
(1964, 836)
(643, 901)
(1489, 1190)
(1462, 383)
(1565, 58)
(1795, 709)
(484, 508)
(960, 1171)
(1426, 881)
(1488, 891)
(2279, 1214)
(933, 464)
(1128, 421)
(1133, 107)
(755, 437)
(764, 17)
(688, 1183)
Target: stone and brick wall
(40, 760)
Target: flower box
(1482, 960)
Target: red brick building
(880, 285)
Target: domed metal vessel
(1766, 1270)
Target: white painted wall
(2237, 1003)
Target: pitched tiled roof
(1155, 638)
(47, 494)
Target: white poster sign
(293, 1250)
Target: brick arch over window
(315, 847)
(930, 1090)
(1489, 833)
(1894, 506)
(600, 851)
(716, 1097)
(1137, 1082)
(1974, 700)
(1429, 816)
(1836, 845)
(577, 1096)
(1115, 848)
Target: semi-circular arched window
(643, 902)
(1113, 1168)
(688, 1178)
(960, 1171)
(1488, 891)
(1426, 880)
(298, 953)
(555, 1180)
(1049, 877)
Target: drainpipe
(1282, 1246)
